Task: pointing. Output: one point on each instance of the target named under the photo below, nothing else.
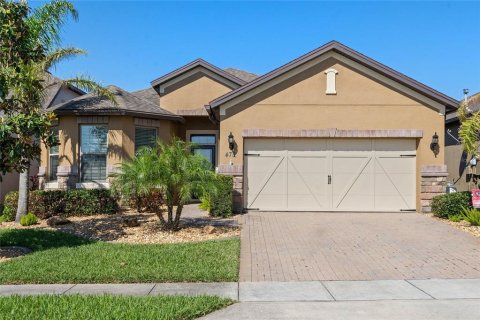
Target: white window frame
(81, 154)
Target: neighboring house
(56, 93)
(460, 173)
(330, 130)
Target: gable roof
(241, 74)
(53, 87)
(199, 63)
(128, 104)
(335, 46)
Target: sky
(133, 43)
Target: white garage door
(330, 174)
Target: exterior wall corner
(433, 179)
(236, 171)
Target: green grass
(62, 258)
(107, 307)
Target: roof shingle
(128, 103)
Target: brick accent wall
(332, 133)
(237, 172)
(433, 178)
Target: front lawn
(55, 307)
(62, 258)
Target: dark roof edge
(194, 64)
(352, 54)
(120, 112)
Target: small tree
(29, 48)
(174, 171)
(470, 126)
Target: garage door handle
(329, 179)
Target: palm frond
(469, 132)
(59, 55)
(89, 85)
(48, 19)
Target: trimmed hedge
(220, 204)
(79, 202)
(451, 204)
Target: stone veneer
(236, 171)
(67, 177)
(433, 178)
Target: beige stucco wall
(360, 103)
(192, 93)
(121, 139)
(456, 161)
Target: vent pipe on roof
(465, 94)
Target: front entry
(330, 174)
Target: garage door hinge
(408, 155)
(252, 154)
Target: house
(330, 130)
(460, 173)
(57, 92)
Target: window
(205, 146)
(93, 152)
(53, 158)
(145, 137)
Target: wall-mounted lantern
(434, 146)
(231, 142)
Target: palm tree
(29, 88)
(174, 171)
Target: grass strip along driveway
(54, 307)
(58, 257)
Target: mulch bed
(9, 252)
(115, 228)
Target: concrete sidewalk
(221, 289)
(464, 309)
(308, 291)
(435, 299)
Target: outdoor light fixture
(434, 144)
(231, 142)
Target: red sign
(476, 198)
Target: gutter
(211, 114)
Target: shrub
(10, 206)
(80, 202)
(456, 218)
(151, 202)
(471, 215)
(28, 219)
(219, 203)
(451, 204)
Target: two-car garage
(322, 174)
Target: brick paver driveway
(302, 246)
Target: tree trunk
(23, 189)
(177, 216)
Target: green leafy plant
(218, 201)
(451, 204)
(471, 215)
(78, 202)
(28, 219)
(173, 169)
(455, 218)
